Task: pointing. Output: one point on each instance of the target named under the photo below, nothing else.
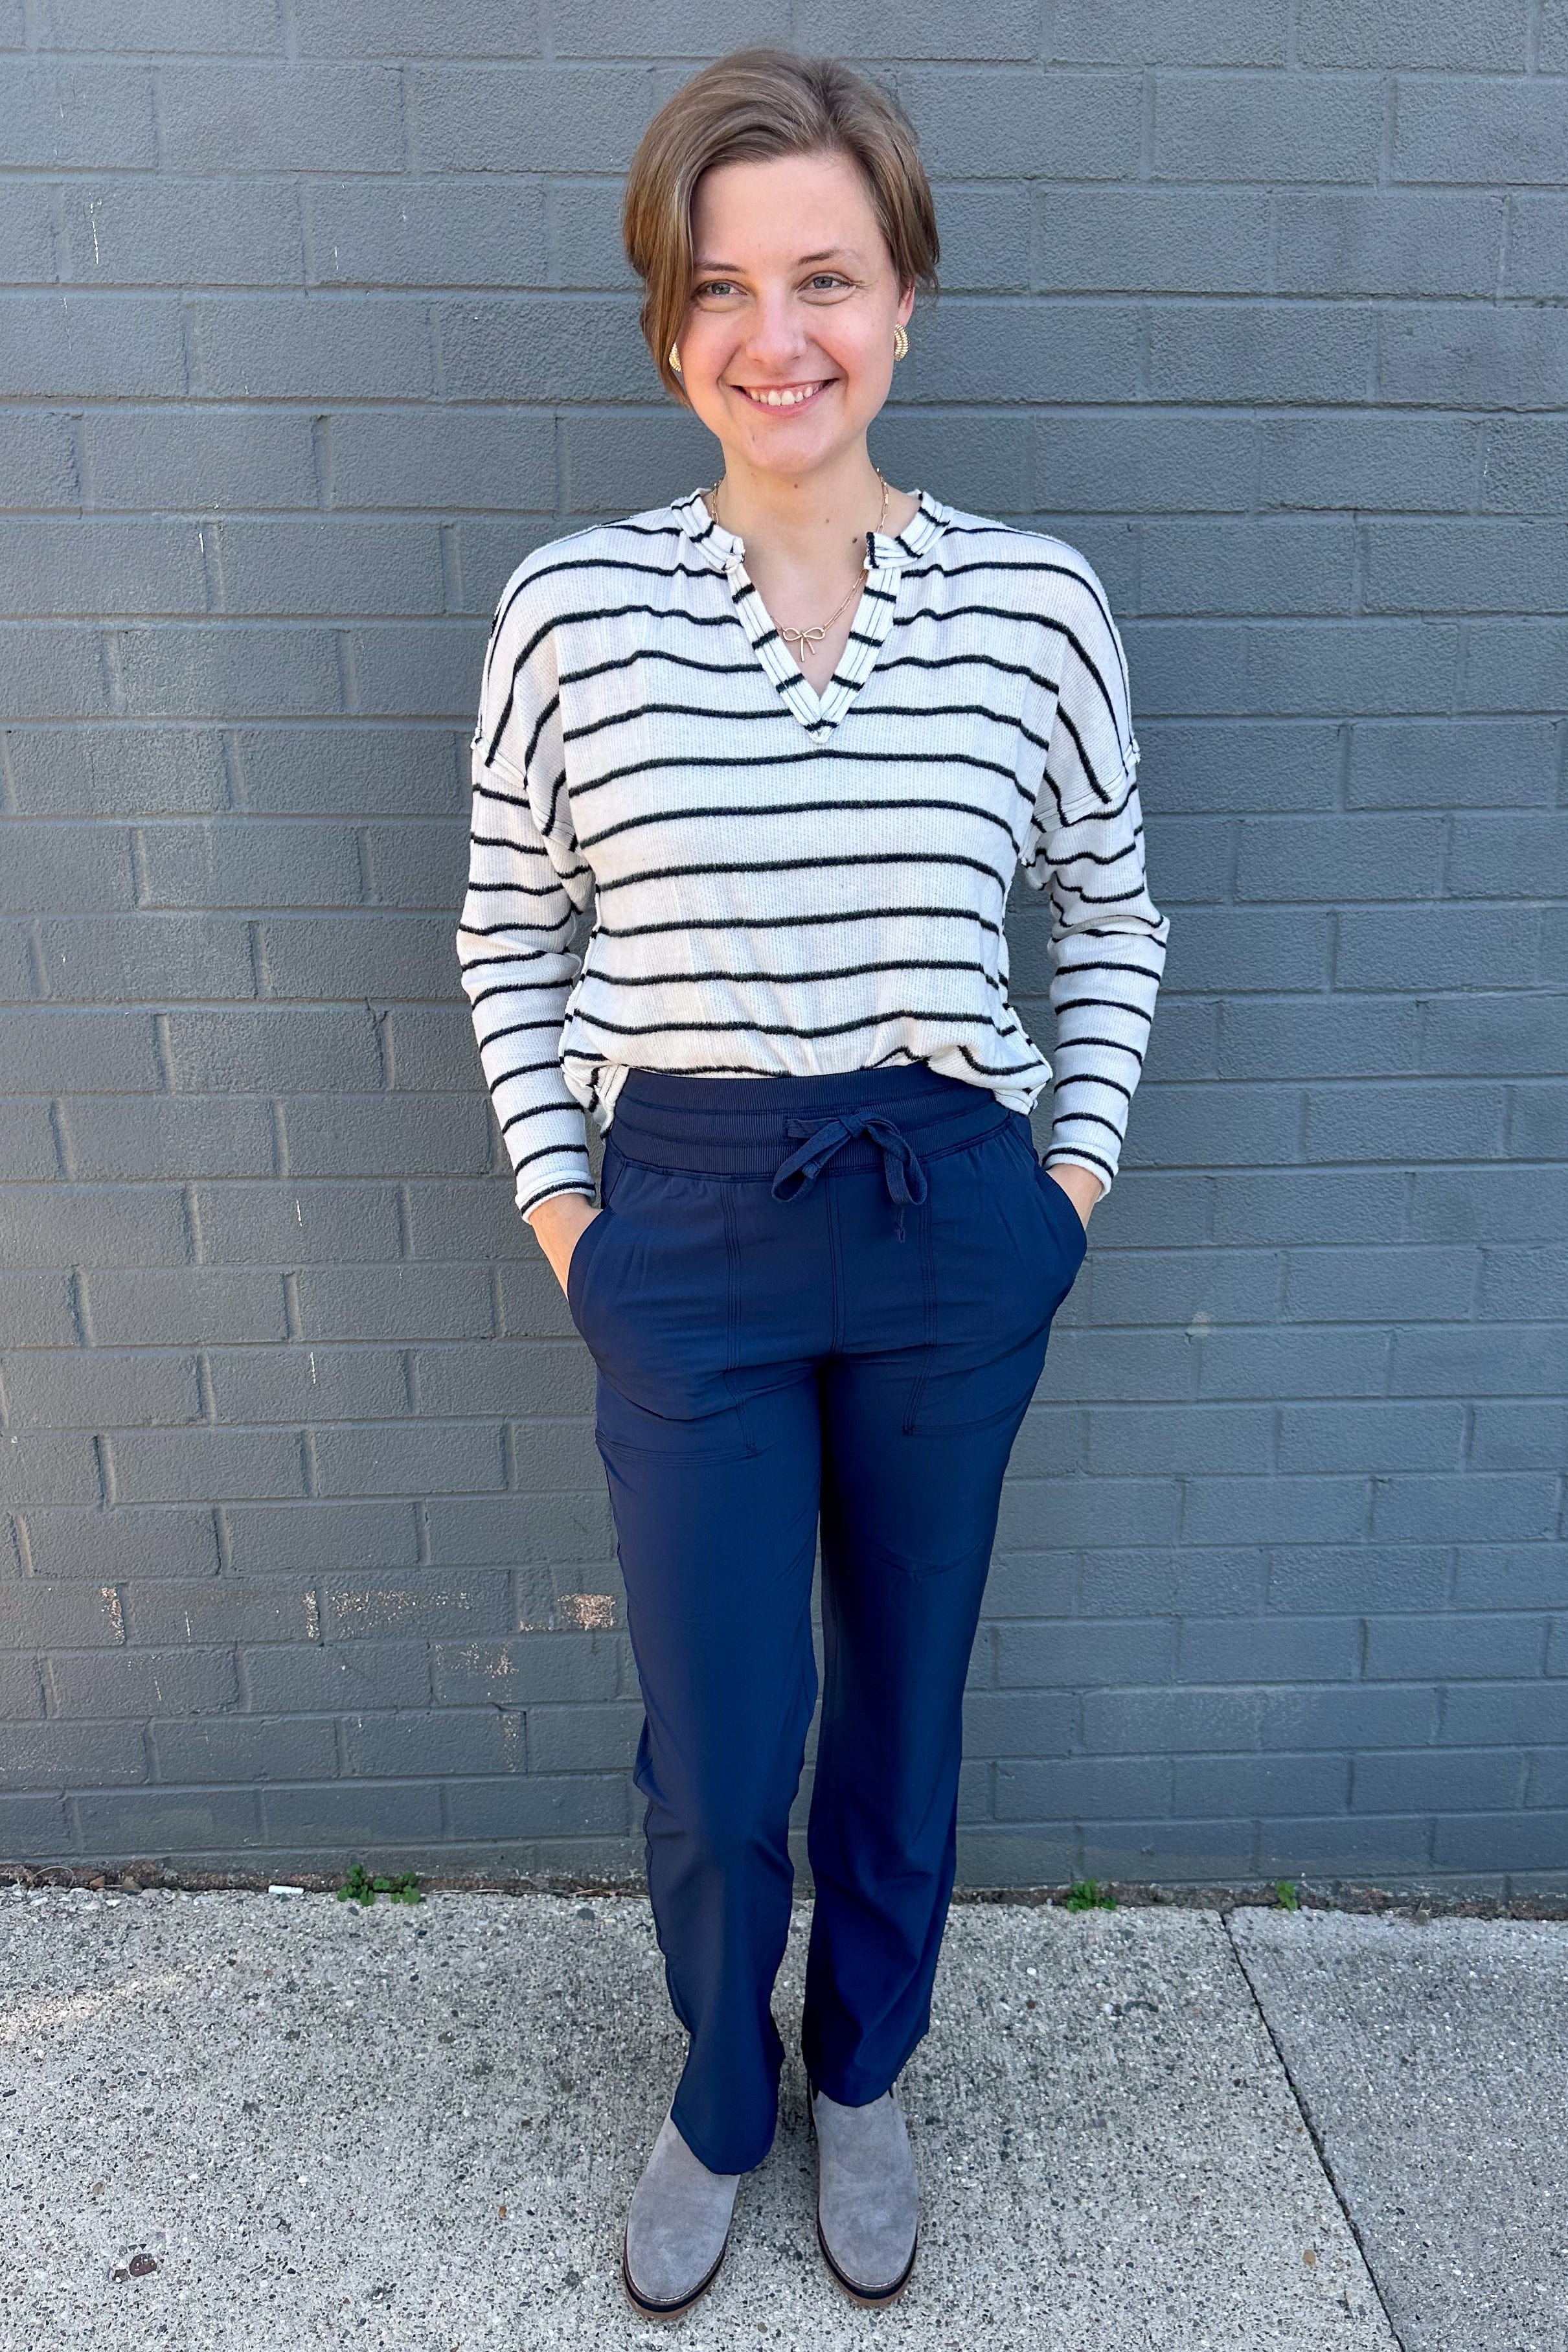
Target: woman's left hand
(1082, 1187)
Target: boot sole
(873, 2298)
(870, 2298)
(647, 2309)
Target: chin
(795, 448)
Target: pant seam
(733, 1303)
(928, 1290)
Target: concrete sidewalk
(235, 2120)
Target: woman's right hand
(557, 1224)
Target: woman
(794, 733)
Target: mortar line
(1303, 2109)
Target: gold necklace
(813, 637)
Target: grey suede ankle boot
(868, 2199)
(677, 2228)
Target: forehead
(783, 210)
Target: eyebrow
(801, 261)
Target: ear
(905, 309)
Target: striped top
(793, 885)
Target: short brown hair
(749, 106)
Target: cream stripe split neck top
(789, 883)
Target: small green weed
(1285, 1895)
(1088, 1896)
(357, 1888)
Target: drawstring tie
(904, 1176)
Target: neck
(807, 520)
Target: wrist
(1083, 1186)
(559, 1212)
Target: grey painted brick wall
(314, 321)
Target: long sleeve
(526, 884)
(1085, 849)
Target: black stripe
(963, 1019)
(517, 849)
(1064, 719)
(521, 799)
(823, 809)
(542, 1110)
(1090, 1117)
(674, 570)
(966, 661)
(1112, 1044)
(1087, 856)
(547, 711)
(1105, 898)
(523, 955)
(508, 800)
(1000, 1069)
(806, 756)
(515, 988)
(796, 866)
(1107, 964)
(514, 1029)
(548, 1192)
(520, 889)
(492, 930)
(527, 1070)
(665, 654)
(1060, 1004)
(774, 709)
(1083, 1152)
(799, 921)
(923, 711)
(1106, 815)
(790, 979)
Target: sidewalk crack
(1304, 2111)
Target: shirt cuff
(1065, 1155)
(529, 1198)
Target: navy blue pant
(808, 1296)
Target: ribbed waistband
(745, 1127)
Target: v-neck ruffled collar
(890, 552)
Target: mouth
(783, 399)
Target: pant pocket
(1069, 1226)
(584, 1251)
(654, 1306)
(1065, 1236)
(1000, 1265)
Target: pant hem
(706, 2154)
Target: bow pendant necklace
(814, 636)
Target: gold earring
(900, 342)
(674, 359)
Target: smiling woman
(762, 106)
(788, 296)
(794, 736)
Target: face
(787, 347)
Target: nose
(777, 339)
